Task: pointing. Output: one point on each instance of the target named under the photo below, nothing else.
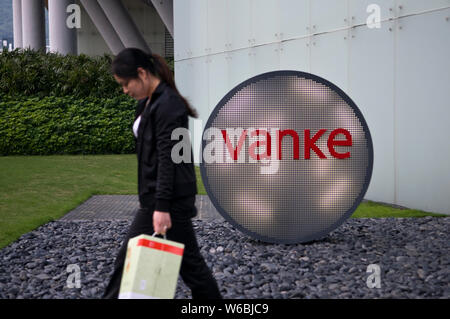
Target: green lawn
(37, 189)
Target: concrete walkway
(114, 207)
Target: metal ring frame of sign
(302, 199)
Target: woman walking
(166, 190)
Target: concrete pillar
(17, 23)
(124, 25)
(103, 25)
(33, 24)
(165, 11)
(62, 39)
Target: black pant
(194, 271)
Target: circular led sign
(287, 157)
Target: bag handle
(154, 235)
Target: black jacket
(160, 180)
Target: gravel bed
(412, 253)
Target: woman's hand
(161, 222)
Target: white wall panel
(295, 55)
(217, 20)
(329, 57)
(198, 27)
(184, 82)
(327, 15)
(265, 21)
(398, 78)
(371, 87)
(423, 95)
(181, 26)
(200, 85)
(240, 67)
(266, 58)
(294, 18)
(239, 24)
(358, 10)
(218, 78)
(416, 6)
(183, 71)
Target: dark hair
(126, 63)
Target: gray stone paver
(114, 207)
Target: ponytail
(127, 62)
(165, 74)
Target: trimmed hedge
(36, 73)
(66, 125)
(62, 104)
